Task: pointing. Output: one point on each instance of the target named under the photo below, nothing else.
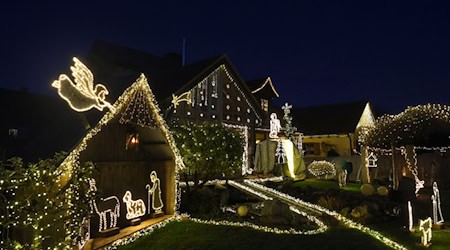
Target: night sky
(393, 53)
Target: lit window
(265, 105)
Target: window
(265, 105)
(311, 149)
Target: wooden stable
(130, 142)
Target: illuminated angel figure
(275, 126)
(155, 193)
(82, 96)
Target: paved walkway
(265, 193)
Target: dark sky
(393, 53)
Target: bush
(209, 151)
(322, 169)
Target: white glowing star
(186, 97)
(82, 96)
(134, 208)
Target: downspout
(351, 144)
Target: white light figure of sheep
(322, 169)
(135, 208)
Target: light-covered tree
(32, 202)
(209, 150)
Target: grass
(326, 185)
(191, 235)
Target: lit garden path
(266, 193)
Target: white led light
(109, 205)
(425, 227)
(154, 191)
(82, 96)
(135, 208)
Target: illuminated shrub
(209, 151)
(322, 169)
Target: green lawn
(191, 235)
(326, 185)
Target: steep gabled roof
(140, 85)
(116, 64)
(263, 88)
(339, 118)
(41, 122)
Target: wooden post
(364, 165)
(395, 173)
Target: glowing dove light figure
(82, 96)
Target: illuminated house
(332, 130)
(212, 89)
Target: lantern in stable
(132, 141)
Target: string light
(185, 97)
(140, 85)
(155, 192)
(322, 169)
(109, 205)
(243, 130)
(267, 81)
(318, 209)
(135, 208)
(436, 202)
(82, 96)
(425, 227)
(410, 217)
(407, 126)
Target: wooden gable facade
(219, 95)
(125, 166)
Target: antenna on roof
(183, 56)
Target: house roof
(160, 143)
(341, 118)
(263, 88)
(41, 122)
(116, 65)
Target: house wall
(220, 98)
(342, 144)
(432, 166)
(120, 170)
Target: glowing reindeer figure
(107, 205)
(134, 208)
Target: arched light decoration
(243, 130)
(406, 126)
(82, 96)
